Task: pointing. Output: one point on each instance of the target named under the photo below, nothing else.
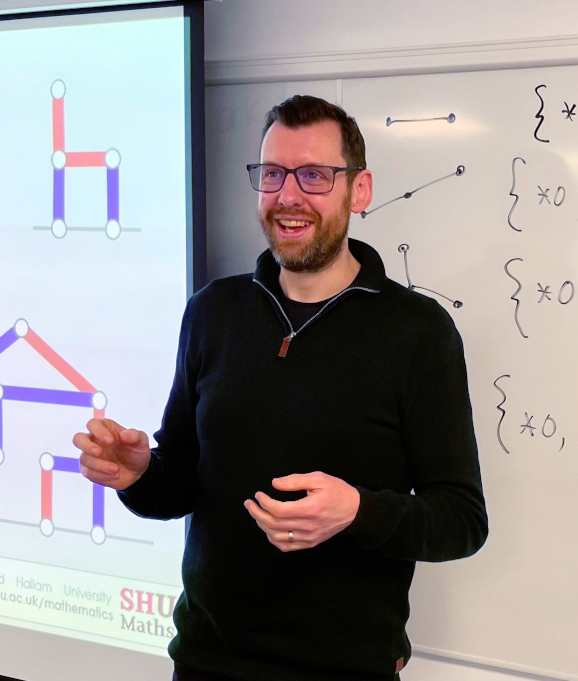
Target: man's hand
(112, 455)
(329, 507)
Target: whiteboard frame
(480, 56)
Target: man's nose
(290, 193)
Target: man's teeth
(293, 223)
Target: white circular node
(2, 457)
(59, 229)
(98, 534)
(47, 527)
(112, 158)
(59, 159)
(112, 229)
(1, 392)
(46, 462)
(99, 401)
(58, 89)
(21, 328)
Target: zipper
(287, 340)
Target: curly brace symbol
(499, 408)
(513, 297)
(518, 158)
(539, 115)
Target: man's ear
(362, 191)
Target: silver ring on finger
(290, 536)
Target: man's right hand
(112, 455)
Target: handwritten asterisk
(569, 111)
(545, 291)
(543, 194)
(528, 424)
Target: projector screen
(95, 253)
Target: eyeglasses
(269, 178)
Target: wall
(301, 31)
(243, 29)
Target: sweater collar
(370, 276)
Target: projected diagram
(63, 160)
(85, 396)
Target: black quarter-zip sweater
(372, 391)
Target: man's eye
(312, 175)
(273, 174)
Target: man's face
(305, 232)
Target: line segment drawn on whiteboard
(460, 170)
(450, 119)
(518, 158)
(404, 248)
(539, 116)
(513, 297)
(499, 408)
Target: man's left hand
(329, 507)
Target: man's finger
(266, 521)
(298, 481)
(133, 437)
(284, 509)
(84, 442)
(99, 466)
(257, 513)
(101, 430)
(286, 547)
(283, 537)
(100, 479)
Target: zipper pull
(285, 345)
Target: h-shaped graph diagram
(63, 160)
(85, 396)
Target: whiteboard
(500, 238)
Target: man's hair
(302, 110)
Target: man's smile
(293, 228)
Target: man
(310, 400)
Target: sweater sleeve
(445, 518)
(167, 488)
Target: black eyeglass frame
(293, 171)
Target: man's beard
(316, 253)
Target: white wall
(241, 30)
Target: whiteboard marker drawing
(543, 194)
(565, 294)
(559, 198)
(545, 291)
(513, 297)
(460, 170)
(450, 119)
(518, 158)
(569, 298)
(539, 115)
(528, 425)
(404, 248)
(499, 408)
(549, 428)
(569, 112)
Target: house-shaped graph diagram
(85, 395)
